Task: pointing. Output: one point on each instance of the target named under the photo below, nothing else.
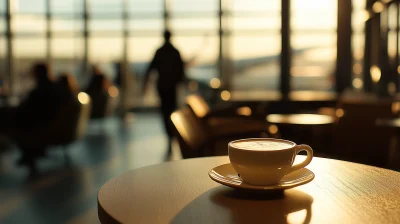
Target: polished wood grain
(182, 192)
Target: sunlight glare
(378, 7)
(297, 217)
(375, 73)
(83, 98)
(358, 83)
(215, 83)
(391, 88)
(273, 129)
(245, 111)
(113, 91)
(225, 95)
(357, 68)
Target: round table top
(182, 192)
(300, 119)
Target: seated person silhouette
(67, 86)
(168, 63)
(98, 92)
(35, 113)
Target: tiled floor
(66, 191)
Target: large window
(313, 40)
(67, 44)
(254, 28)
(195, 25)
(234, 45)
(29, 43)
(106, 29)
(146, 23)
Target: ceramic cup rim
(230, 146)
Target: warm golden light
(297, 217)
(365, 16)
(245, 111)
(198, 105)
(193, 86)
(215, 83)
(179, 125)
(398, 69)
(306, 119)
(375, 73)
(340, 112)
(113, 91)
(225, 95)
(386, 1)
(378, 7)
(358, 55)
(395, 108)
(273, 129)
(358, 83)
(357, 68)
(307, 71)
(391, 88)
(83, 98)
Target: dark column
(220, 37)
(286, 49)
(48, 31)
(85, 66)
(124, 66)
(367, 50)
(166, 14)
(9, 38)
(397, 47)
(344, 60)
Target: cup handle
(299, 148)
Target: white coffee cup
(265, 161)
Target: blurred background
(237, 42)
(264, 64)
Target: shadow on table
(225, 205)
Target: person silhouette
(35, 114)
(169, 65)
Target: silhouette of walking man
(168, 63)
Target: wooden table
(300, 119)
(182, 192)
(312, 129)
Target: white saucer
(226, 175)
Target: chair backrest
(191, 133)
(357, 137)
(71, 121)
(198, 105)
(104, 103)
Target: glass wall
(146, 24)
(67, 42)
(105, 34)
(232, 44)
(254, 28)
(195, 26)
(29, 44)
(313, 40)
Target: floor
(66, 189)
